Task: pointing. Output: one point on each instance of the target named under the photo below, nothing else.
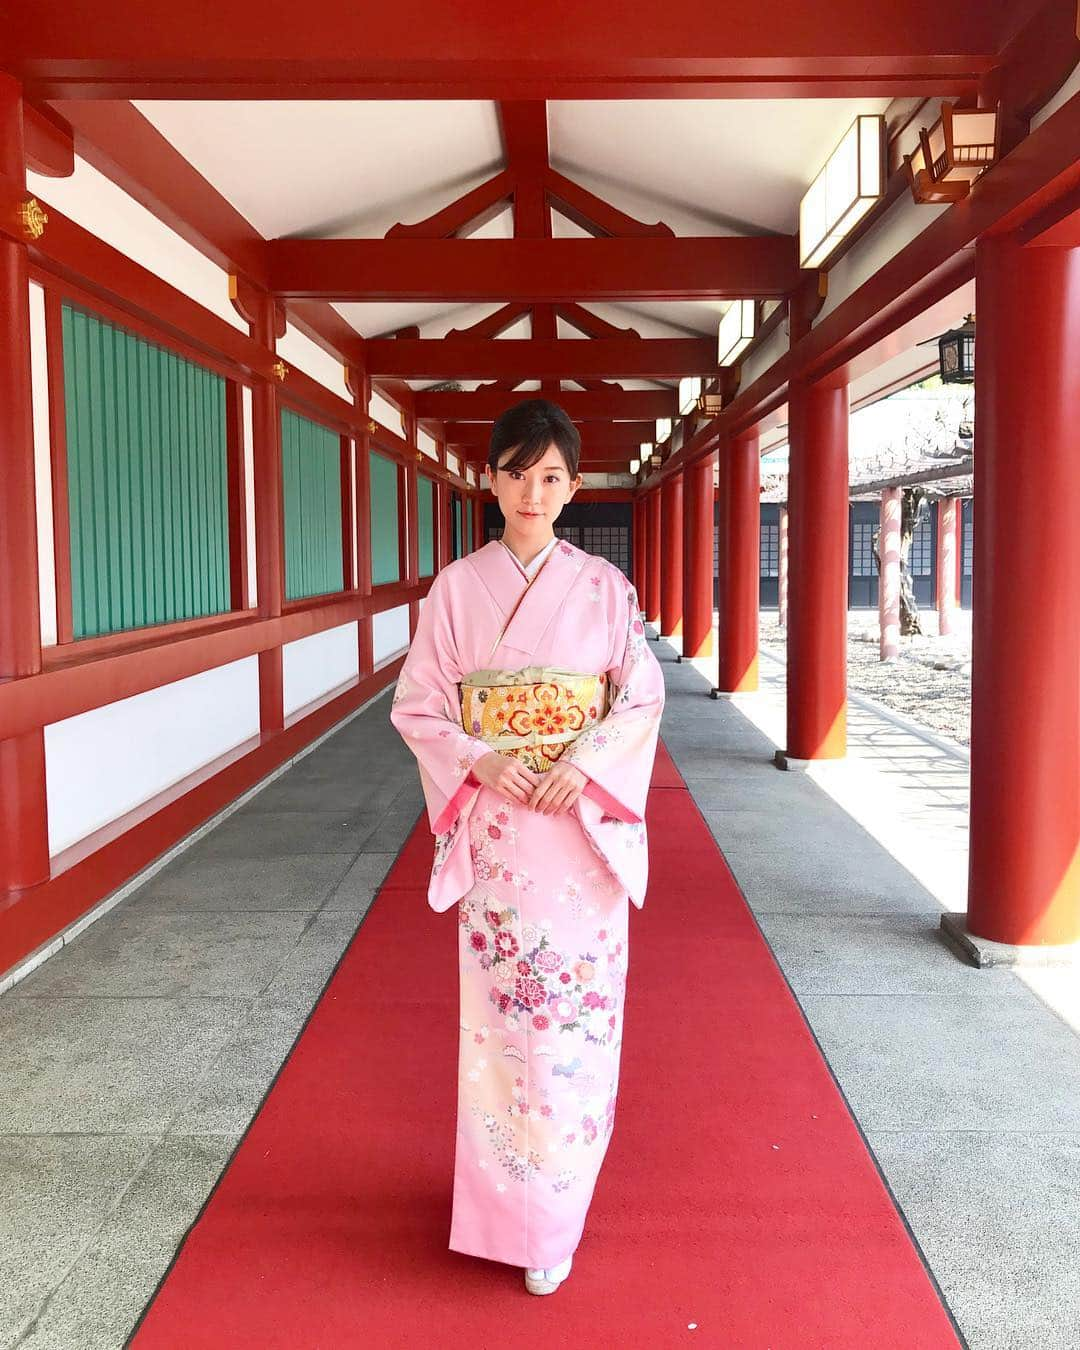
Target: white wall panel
(761, 358)
(385, 413)
(904, 221)
(426, 444)
(39, 390)
(389, 632)
(104, 763)
(314, 665)
(98, 205)
(297, 349)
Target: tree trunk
(912, 510)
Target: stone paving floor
(134, 1059)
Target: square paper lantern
(689, 391)
(736, 332)
(663, 429)
(852, 180)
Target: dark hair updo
(533, 426)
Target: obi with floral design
(534, 713)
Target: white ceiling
(343, 169)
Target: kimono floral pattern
(543, 971)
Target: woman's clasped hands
(548, 793)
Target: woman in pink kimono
(532, 702)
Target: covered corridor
(139, 1056)
(262, 298)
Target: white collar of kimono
(532, 567)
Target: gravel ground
(938, 698)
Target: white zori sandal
(547, 1281)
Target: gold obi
(533, 713)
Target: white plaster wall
(900, 224)
(770, 351)
(385, 413)
(297, 349)
(90, 199)
(39, 390)
(312, 666)
(426, 444)
(104, 763)
(453, 463)
(389, 632)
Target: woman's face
(531, 499)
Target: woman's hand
(561, 787)
(507, 776)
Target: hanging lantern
(960, 145)
(956, 353)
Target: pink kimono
(556, 667)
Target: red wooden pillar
(359, 387)
(24, 833)
(266, 319)
(698, 557)
(671, 559)
(269, 516)
(782, 569)
(889, 522)
(818, 541)
(637, 547)
(948, 509)
(1024, 859)
(740, 563)
(652, 542)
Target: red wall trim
(238, 532)
(99, 865)
(74, 683)
(54, 348)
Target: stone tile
(358, 887)
(99, 1302)
(301, 883)
(312, 961)
(275, 834)
(142, 953)
(103, 1064)
(950, 1062)
(871, 954)
(997, 1218)
(333, 792)
(55, 1193)
(232, 1091)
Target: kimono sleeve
(426, 711)
(617, 753)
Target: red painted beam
(536, 270)
(424, 49)
(632, 405)
(1040, 171)
(50, 143)
(597, 435)
(541, 358)
(130, 151)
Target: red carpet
(737, 1192)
